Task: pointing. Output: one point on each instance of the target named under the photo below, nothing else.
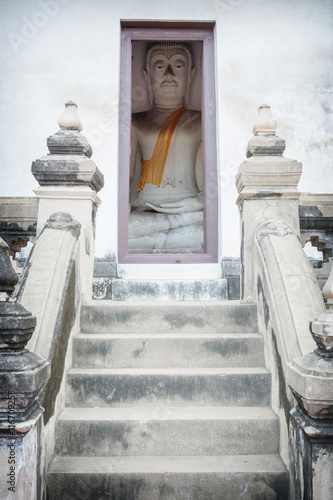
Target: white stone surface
(265, 123)
(267, 187)
(292, 292)
(328, 292)
(79, 201)
(24, 452)
(169, 271)
(83, 169)
(311, 377)
(160, 290)
(276, 52)
(289, 299)
(270, 174)
(46, 281)
(323, 201)
(69, 118)
(323, 475)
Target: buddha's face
(169, 75)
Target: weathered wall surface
(278, 52)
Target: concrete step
(167, 317)
(167, 350)
(168, 386)
(168, 478)
(171, 431)
(157, 290)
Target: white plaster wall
(277, 52)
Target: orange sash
(152, 170)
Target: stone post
(311, 381)
(23, 374)
(69, 181)
(267, 186)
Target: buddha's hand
(194, 204)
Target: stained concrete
(181, 431)
(157, 290)
(163, 387)
(252, 477)
(183, 317)
(168, 401)
(166, 350)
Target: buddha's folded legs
(160, 233)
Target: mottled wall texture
(277, 52)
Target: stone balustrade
(68, 182)
(267, 186)
(18, 221)
(55, 280)
(276, 274)
(316, 221)
(311, 381)
(23, 374)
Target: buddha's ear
(150, 92)
(189, 85)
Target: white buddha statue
(166, 205)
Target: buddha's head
(169, 74)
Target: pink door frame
(176, 32)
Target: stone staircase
(167, 401)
